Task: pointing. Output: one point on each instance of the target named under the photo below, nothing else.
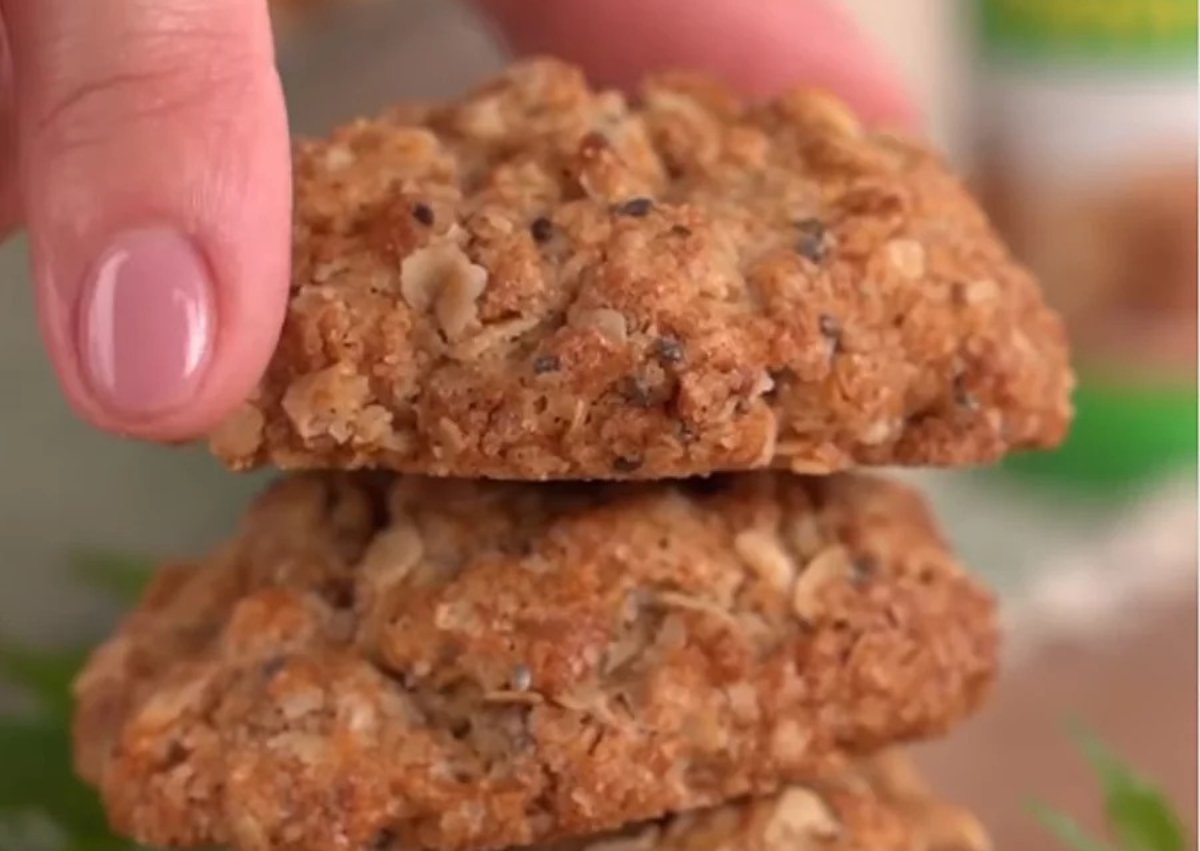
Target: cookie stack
(606, 582)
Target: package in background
(1087, 114)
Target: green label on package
(1149, 30)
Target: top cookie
(542, 281)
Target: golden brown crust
(546, 282)
(455, 665)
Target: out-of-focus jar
(1087, 117)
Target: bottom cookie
(382, 662)
(880, 804)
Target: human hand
(144, 146)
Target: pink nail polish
(146, 323)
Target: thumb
(153, 157)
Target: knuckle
(180, 78)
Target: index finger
(759, 46)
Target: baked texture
(442, 664)
(542, 281)
(879, 804)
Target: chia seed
(636, 207)
(831, 330)
(541, 229)
(423, 213)
(668, 350)
(272, 666)
(811, 244)
(963, 397)
(863, 569)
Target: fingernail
(146, 323)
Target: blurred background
(1081, 136)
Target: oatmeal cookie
(542, 281)
(877, 805)
(453, 665)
